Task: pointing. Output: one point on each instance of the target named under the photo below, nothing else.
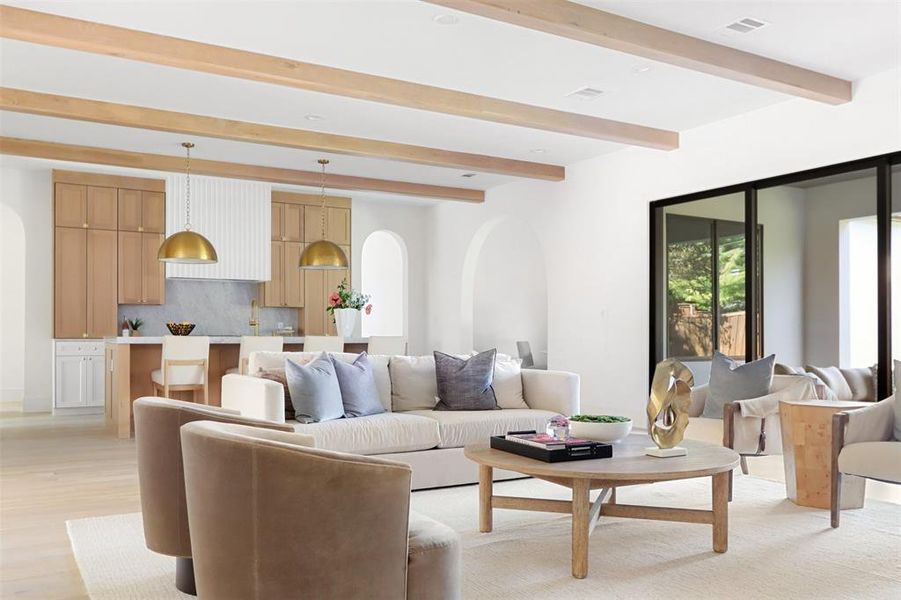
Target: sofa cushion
(315, 393)
(508, 382)
(278, 376)
(359, 394)
(731, 381)
(862, 383)
(834, 380)
(413, 383)
(876, 460)
(276, 360)
(375, 434)
(465, 383)
(457, 428)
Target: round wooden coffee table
(628, 466)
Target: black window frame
(754, 309)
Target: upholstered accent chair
(864, 445)
(161, 476)
(750, 427)
(271, 517)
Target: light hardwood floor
(56, 469)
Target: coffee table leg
(486, 485)
(581, 506)
(721, 511)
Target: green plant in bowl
(599, 419)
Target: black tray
(589, 451)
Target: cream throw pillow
(413, 383)
(508, 382)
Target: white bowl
(609, 433)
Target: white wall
(27, 192)
(410, 221)
(593, 227)
(508, 290)
(384, 277)
(12, 306)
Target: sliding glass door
(825, 250)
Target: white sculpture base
(665, 452)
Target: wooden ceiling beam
(176, 164)
(607, 30)
(87, 36)
(125, 115)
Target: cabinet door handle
(140, 228)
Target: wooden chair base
(164, 390)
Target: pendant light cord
(188, 146)
(323, 162)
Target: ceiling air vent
(746, 25)
(586, 93)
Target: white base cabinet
(79, 377)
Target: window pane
(819, 265)
(689, 289)
(731, 291)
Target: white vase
(346, 321)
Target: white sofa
(430, 441)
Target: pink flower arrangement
(347, 297)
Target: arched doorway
(505, 289)
(384, 278)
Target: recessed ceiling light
(446, 19)
(468, 175)
(586, 93)
(314, 117)
(538, 151)
(641, 69)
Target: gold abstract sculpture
(669, 404)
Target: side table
(807, 451)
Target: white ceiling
(400, 39)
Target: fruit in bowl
(183, 328)
(601, 428)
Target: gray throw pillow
(314, 390)
(359, 393)
(898, 400)
(465, 384)
(730, 381)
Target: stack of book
(548, 448)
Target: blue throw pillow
(314, 388)
(359, 392)
(730, 381)
(465, 384)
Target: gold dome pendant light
(187, 246)
(323, 254)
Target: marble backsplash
(217, 307)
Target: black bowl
(180, 328)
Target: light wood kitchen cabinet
(141, 275)
(274, 289)
(318, 286)
(337, 226)
(287, 222)
(141, 210)
(70, 283)
(69, 206)
(294, 276)
(285, 288)
(102, 208)
(101, 277)
(312, 223)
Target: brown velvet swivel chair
(161, 476)
(271, 518)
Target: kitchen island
(130, 360)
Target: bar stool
(323, 343)
(389, 345)
(254, 343)
(185, 366)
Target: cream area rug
(776, 549)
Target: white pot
(346, 321)
(600, 432)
